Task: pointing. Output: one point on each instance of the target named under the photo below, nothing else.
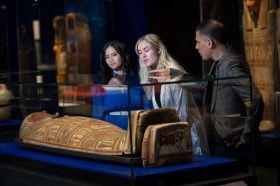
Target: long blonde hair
(165, 59)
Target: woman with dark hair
(116, 66)
(110, 101)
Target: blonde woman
(154, 55)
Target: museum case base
(119, 159)
(28, 167)
(9, 130)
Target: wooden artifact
(72, 47)
(259, 33)
(167, 141)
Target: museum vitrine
(115, 131)
(73, 130)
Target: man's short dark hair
(213, 29)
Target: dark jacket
(236, 105)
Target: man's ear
(211, 43)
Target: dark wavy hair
(105, 72)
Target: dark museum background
(173, 21)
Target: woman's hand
(115, 81)
(160, 74)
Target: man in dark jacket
(233, 106)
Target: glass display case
(92, 132)
(62, 126)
